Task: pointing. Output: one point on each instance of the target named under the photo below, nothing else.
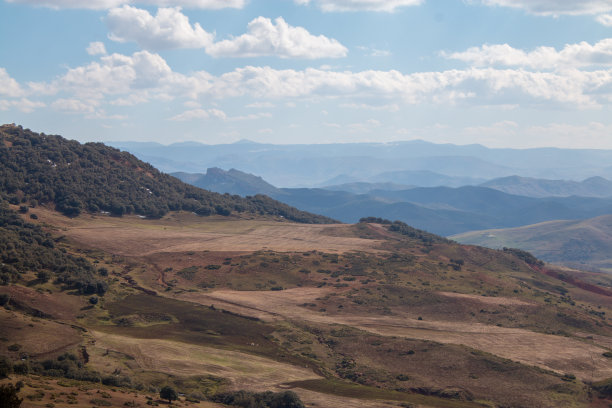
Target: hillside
(583, 243)
(531, 187)
(92, 177)
(372, 314)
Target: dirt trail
(557, 353)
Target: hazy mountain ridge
(315, 165)
(441, 210)
(530, 187)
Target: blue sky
(503, 73)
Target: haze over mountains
(442, 210)
(410, 163)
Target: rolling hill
(583, 243)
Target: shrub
(168, 393)
(9, 397)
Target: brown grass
(557, 353)
(244, 371)
(66, 393)
(38, 338)
(183, 232)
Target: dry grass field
(183, 232)
(341, 314)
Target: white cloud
(124, 80)
(217, 114)
(191, 115)
(554, 7)
(360, 5)
(8, 86)
(604, 19)
(265, 38)
(572, 55)
(108, 4)
(169, 28)
(96, 48)
(74, 105)
(261, 105)
(388, 108)
(24, 105)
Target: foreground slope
(362, 311)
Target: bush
(9, 397)
(168, 393)
(268, 399)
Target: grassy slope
(586, 243)
(396, 277)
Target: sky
(502, 73)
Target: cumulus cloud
(108, 4)
(96, 48)
(554, 7)
(122, 80)
(605, 19)
(572, 55)
(360, 5)
(168, 29)
(8, 86)
(266, 38)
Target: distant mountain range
(582, 243)
(530, 187)
(416, 163)
(441, 210)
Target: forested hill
(93, 177)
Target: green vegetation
(9, 397)
(25, 247)
(269, 399)
(168, 393)
(43, 169)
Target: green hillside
(92, 177)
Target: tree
(9, 397)
(168, 393)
